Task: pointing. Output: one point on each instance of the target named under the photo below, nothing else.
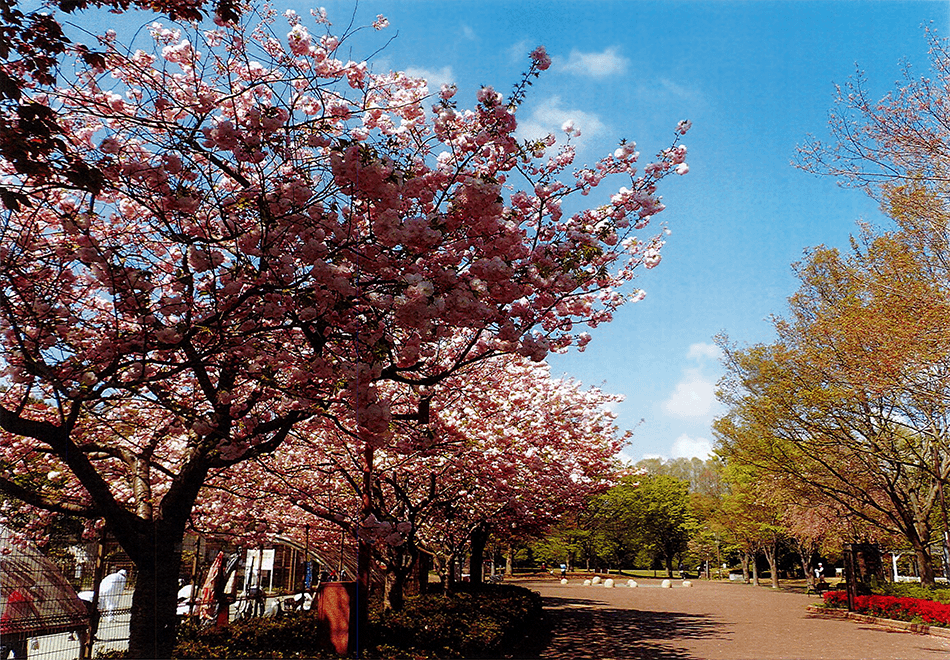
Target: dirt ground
(712, 621)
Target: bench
(819, 588)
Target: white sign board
(267, 559)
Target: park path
(711, 621)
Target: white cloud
(435, 78)
(694, 396)
(687, 447)
(677, 90)
(518, 51)
(700, 351)
(550, 117)
(469, 33)
(597, 65)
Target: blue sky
(755, 78)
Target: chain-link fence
(85, 590)
(41, 615)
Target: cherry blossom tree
(536, 447)
(32, 45)
(814, 526)
(277, 234)
(506, 446)
(880, 145)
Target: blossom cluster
(281, 233)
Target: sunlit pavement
(713, 621)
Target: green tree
(652, 514)
(568, 542)
(752, 510)
(896, 150)
(853, 401)
(703, 476)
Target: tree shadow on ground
(579, 631)
(927, 643)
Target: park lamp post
(718, 557)
(943, 510)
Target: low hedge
(289, 636)
(493, 621)
(938, 592)
(900, 608)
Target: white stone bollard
(687, 583)
(596, 580)
(586, 583)
(666, 584)
(609, 583)
(563, 580)
(632, 584)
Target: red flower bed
(894, 607)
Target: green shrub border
(474, 621)
(487, 621)
(288, 636)
(939, 592)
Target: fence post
(195, 565)
(97, 575)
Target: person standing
(14, 623)
(110, 592)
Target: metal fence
(112, 635)
(40, 613)
(102, 580)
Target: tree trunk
(745, 567)
(669, 566)
(399, 567)
(755, 570)
(509, 562)
(448, 583)
(919, 536)
(364, 567)
(154, 601)
(394, 590)
(477, 561)
(420, 572)
(442, 567)
(808, 568)
(924, 565)
(364, 551)
(771, 554)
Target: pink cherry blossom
(280, 243)
(540, 58)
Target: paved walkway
(712, 621)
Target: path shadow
(880, 629)
(581, 630)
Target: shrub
(290, 636)
(939, 593)
(485, 622)
(493, 621)
(835, 599)
(894, 607)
